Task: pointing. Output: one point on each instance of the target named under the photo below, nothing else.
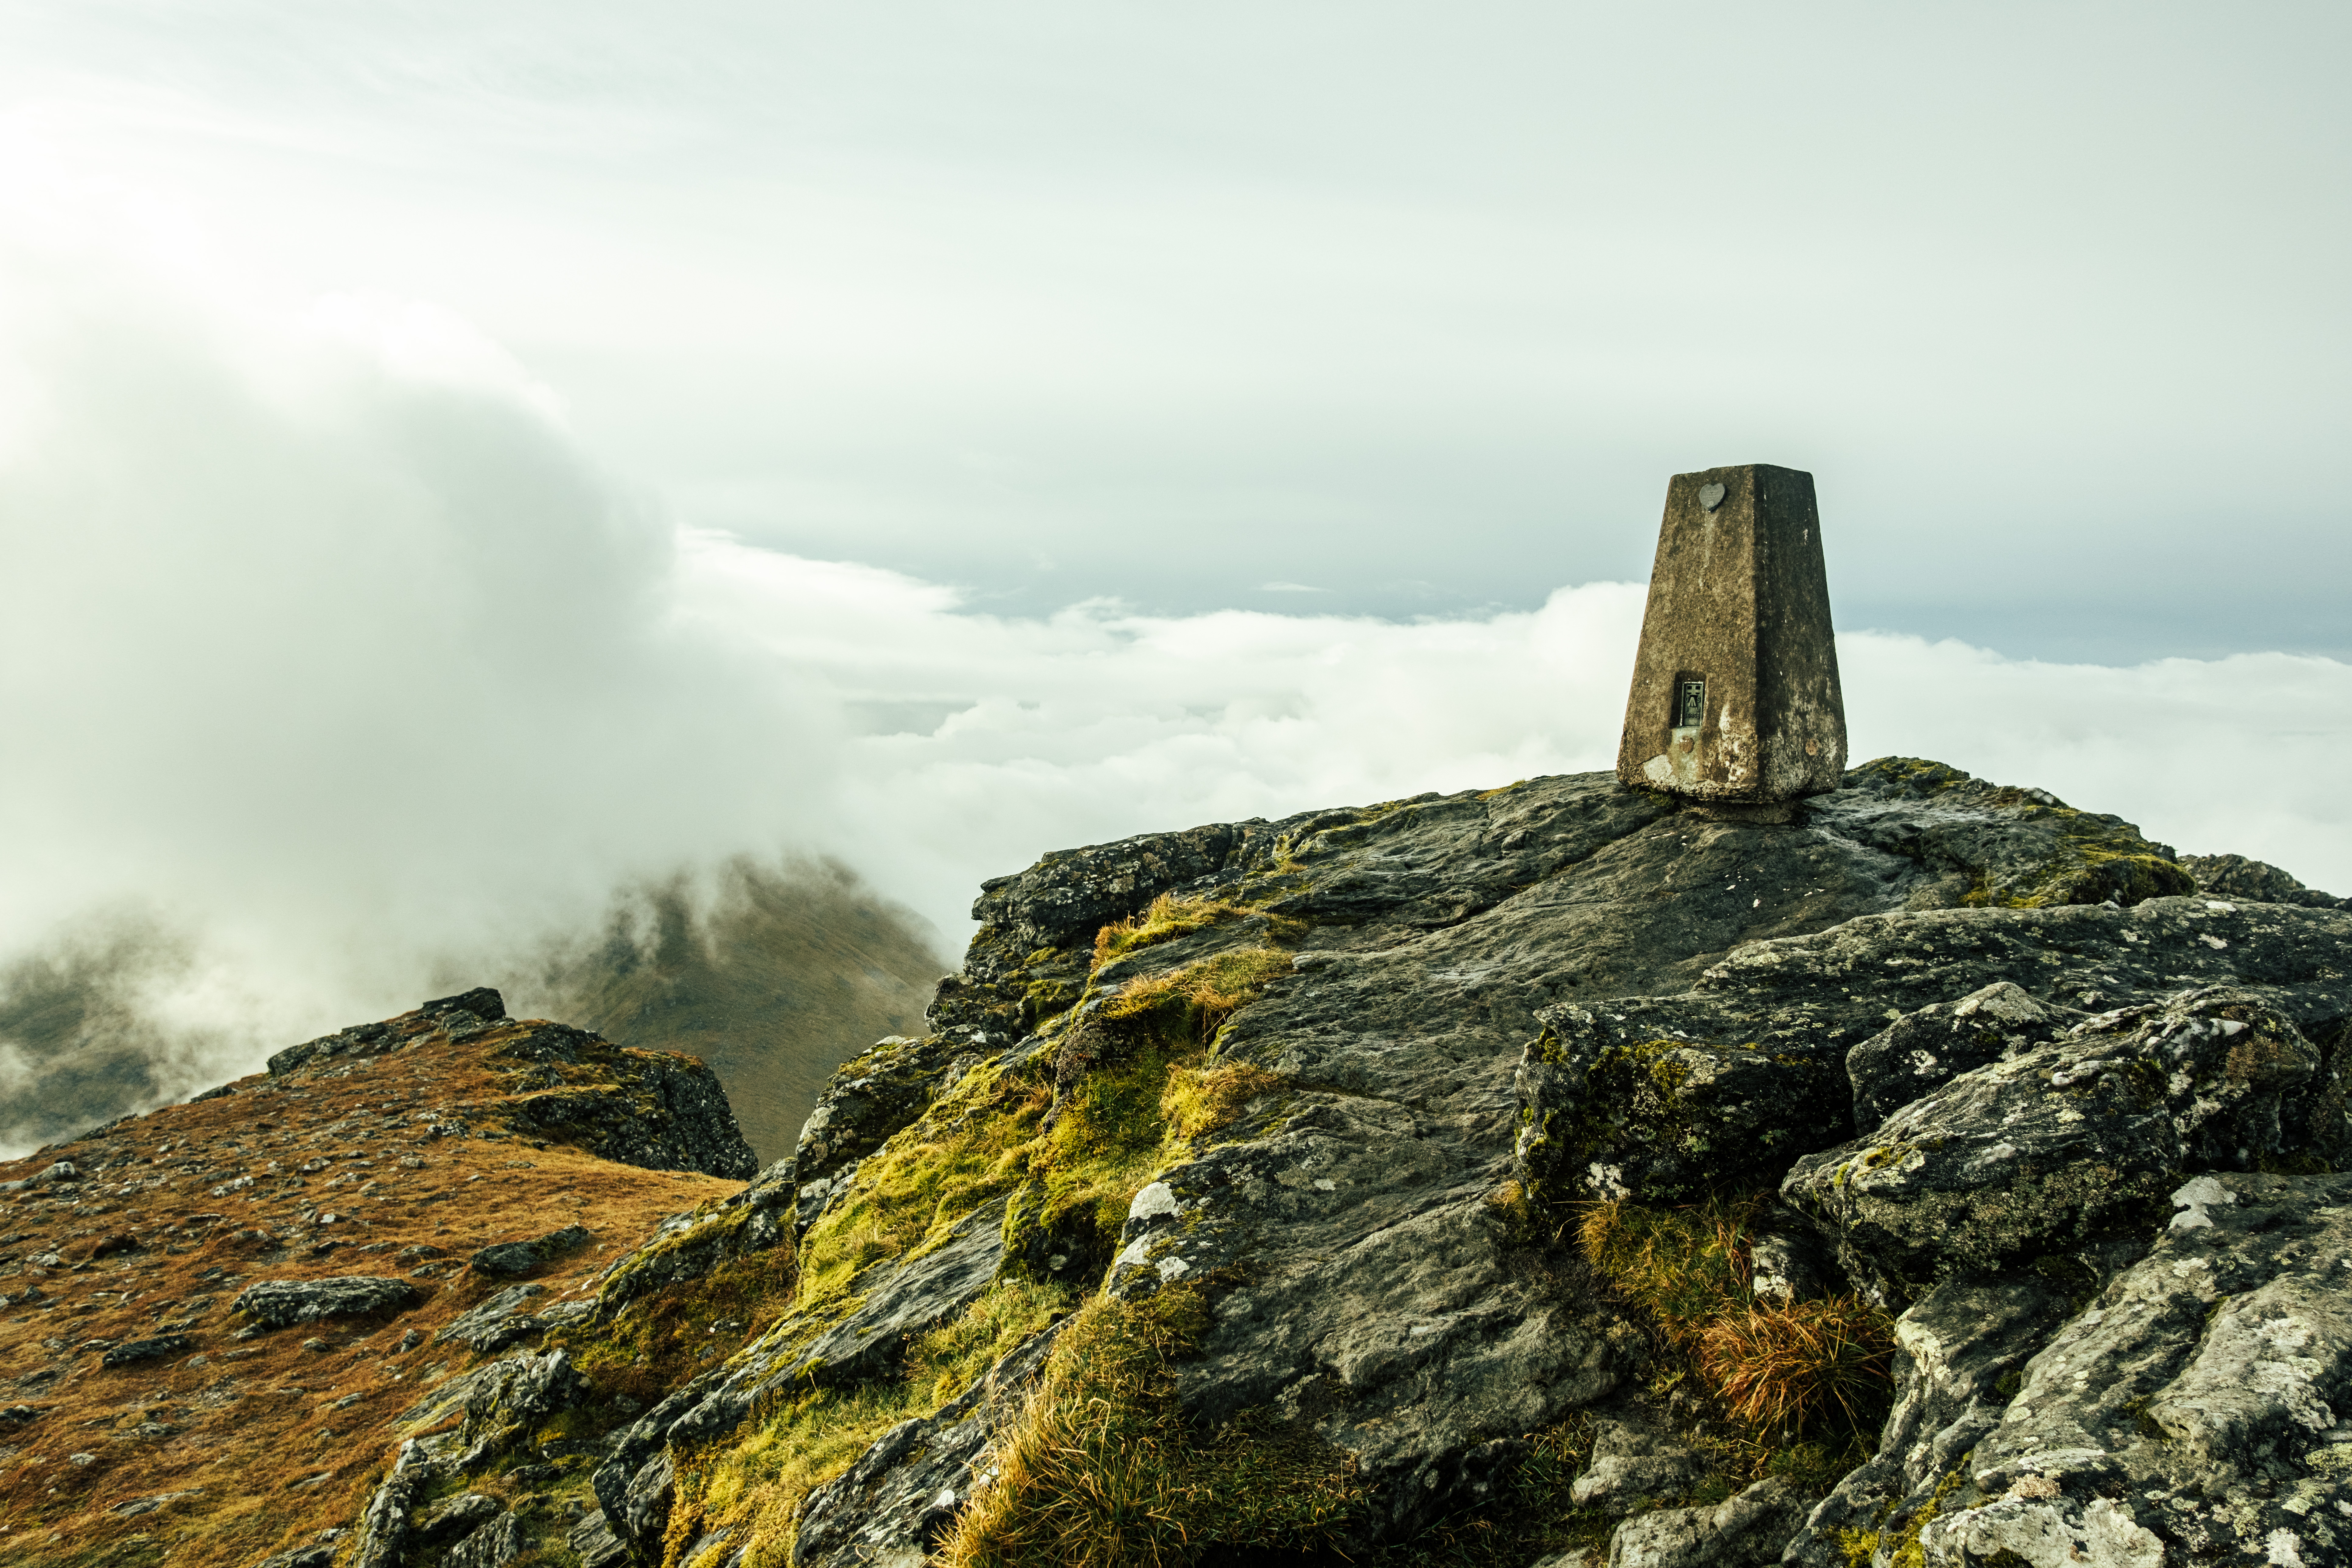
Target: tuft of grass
(1779, 1370)
(1100, 1470)
(806, 1440)
(1199, 1101)
(1686, 1265)
(1169, 917)
(1788, 1368)
(1191, 1004)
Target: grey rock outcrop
(905, 1491)
(871, 1097)
(1924, 1050)
(470, 1011)
(2065, 1143)
(503, 1319)
(1631, 1468)
(522, 1256)
(509, 1398)
(2216, 1375)
(1961, 1351)
(284, 1304)
(1716, 1006)
(493, 1545)
(2235, 877)
(1743, 1532)
(154, 1349)
(892, 1301)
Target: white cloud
(322, 637)
(1027, 735)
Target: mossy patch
(1779, 1370)
(2088, 857)
(1101, 1469)
(757, 1482)
(1167, 917)
(1067, 1137)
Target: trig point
(1736, 696)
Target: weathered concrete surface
(1735, 694)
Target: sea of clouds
(331, 665)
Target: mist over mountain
(774, 977)
(336, 664)
(772, 973)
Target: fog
(454, 481)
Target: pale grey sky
(457, 460)
(1365, 308)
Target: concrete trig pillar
(1736, 696)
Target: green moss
(1169, 917)
(1907, 1552)
(2094, 858)
(1067, 1141)
(1103, 1469)
(975, 1143)
(665, 1336)
(1860, 1547)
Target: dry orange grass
(1781, 1369)
(1787, 1368)
(262, 1443)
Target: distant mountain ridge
(775, 975)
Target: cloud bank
(331, 660)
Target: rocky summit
(1557, 1175)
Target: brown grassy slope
(258, 1444)
(782, 979)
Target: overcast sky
(1393, 308)
(454, 460)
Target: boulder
(283, 1304)
(1612, 1109)
(493, 1545)
(503, 1319)
(511, 1400)
(1925, 1049)
(2257, 882)
(154, 1349)
(2064, 1142)
(460, 1516)
(57, 1171)
(1747, 1530)
(594, 1542)
(1632, 1468)
(522, 1256)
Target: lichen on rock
(1243, 1177)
